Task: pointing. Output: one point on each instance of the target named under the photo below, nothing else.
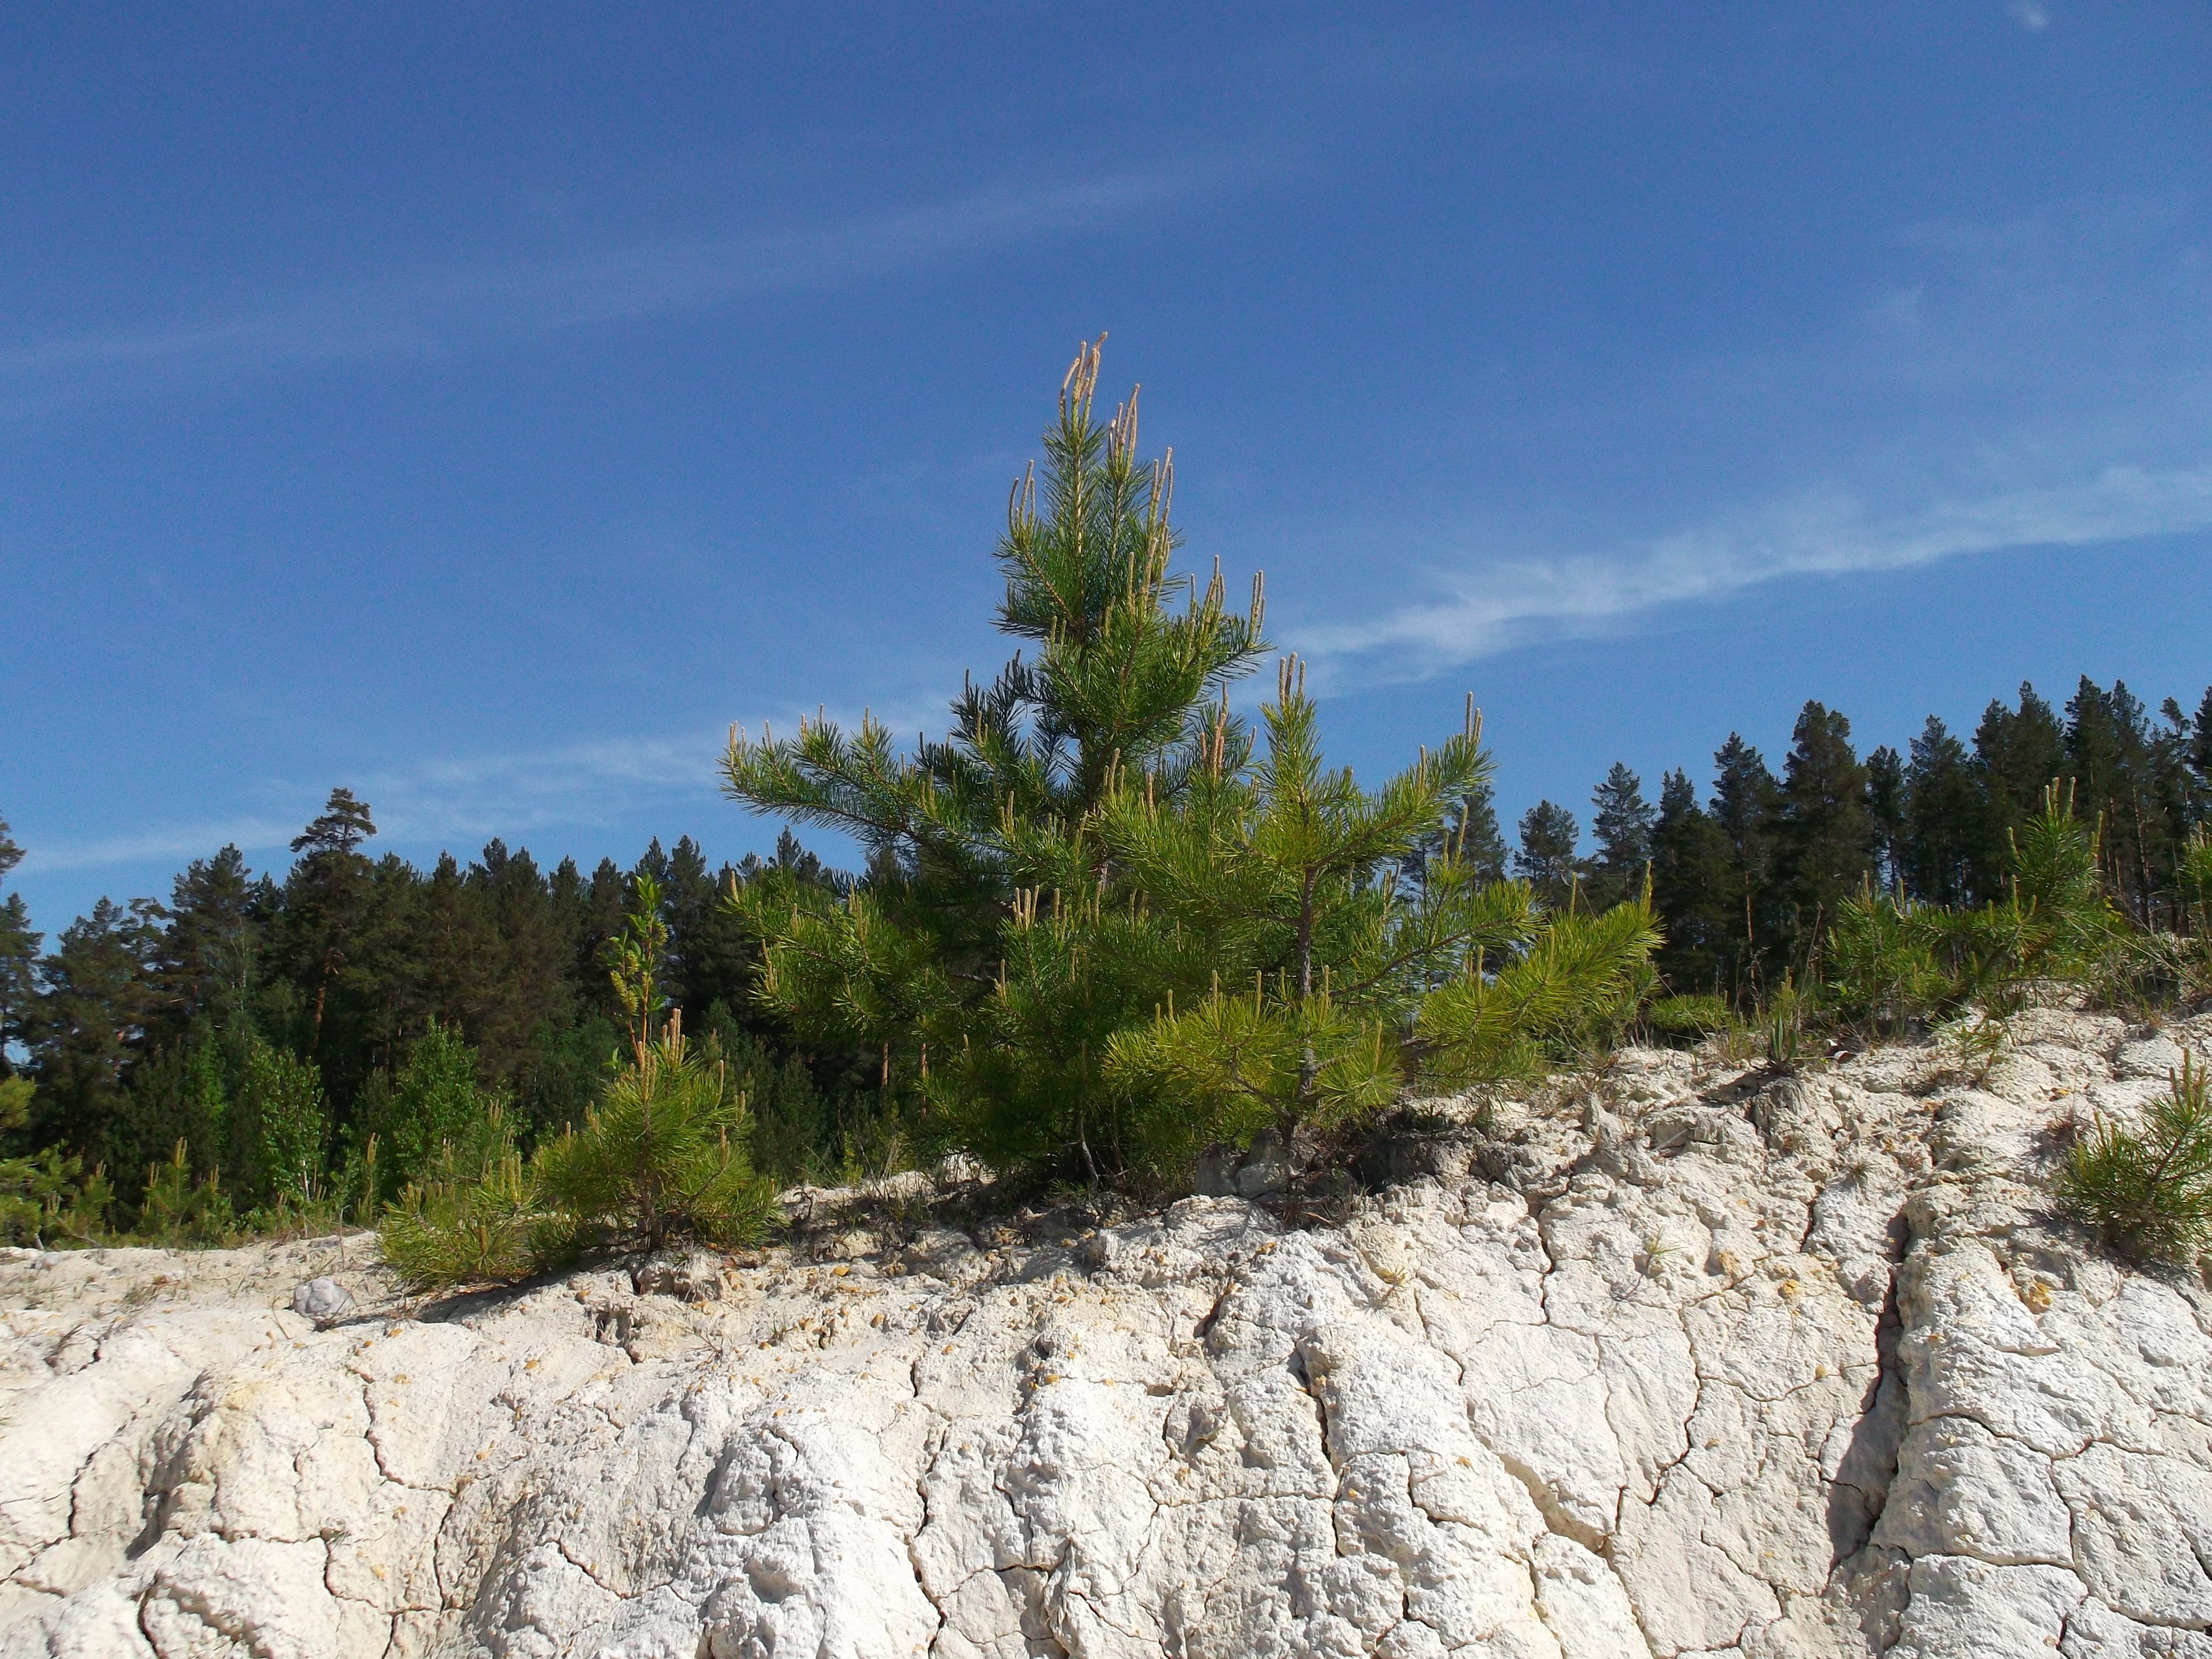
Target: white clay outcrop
(1691, 1361)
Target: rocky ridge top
(1687, 1360)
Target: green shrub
(283, 1123)
(434, 1098)
(662, 1152)
(1689, 1019)
(2149, 1191)
(176, 1210)
(471, 1215)
(1573, 987)
(2194, 879)
(1782, 1023)
(49, 1201)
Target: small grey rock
(694, 1278)
(1216, 1174)
(1267, 1169)
(321, 1300)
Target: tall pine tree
(1944, 818)
(2020, 753)
(1885, 798)
(1689, 889)
(19, 955)
(1826, 836)
(1744, 806)
(1546, 859)
(1621, 822)
(99, 996)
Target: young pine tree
(971, 837)
(1291, 877)
(1098, 930)
(665, 1151)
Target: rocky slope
(1690, 1360)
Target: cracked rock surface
(1690, 1360)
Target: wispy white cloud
(176, 841)
(433, 310)
(1511, 601)
(2030, 15)
(459, 802)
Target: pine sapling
(2149, 1191)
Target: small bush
(663, 1152)
(2150, 1192)
(1973, 1043)
(1881, 963)
(434, 1098)
(471, 1215)
(1687, 1020)
(50, 1201)
(283, 1122)
(176, 1210)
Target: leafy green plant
(1688, 1019)
(1973, 1042)
(434, 1097)
(1782, 1022)
(472, 1214)
(283, 1123)
(1881, 963)
(2148, 1191)
(178, 1211)
(662, 1153)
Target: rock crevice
(1714, 1363)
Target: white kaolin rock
(1721, 1364)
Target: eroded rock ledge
(1699, 1361)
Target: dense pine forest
(355, 980)
(1103, 922)
(353, 986)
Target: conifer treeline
(1746, 881)
(151, 1023)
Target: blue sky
(484, 406)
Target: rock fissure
(1781, 1390)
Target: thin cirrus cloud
(458, 802)
(431, 312)
(1512, 602)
